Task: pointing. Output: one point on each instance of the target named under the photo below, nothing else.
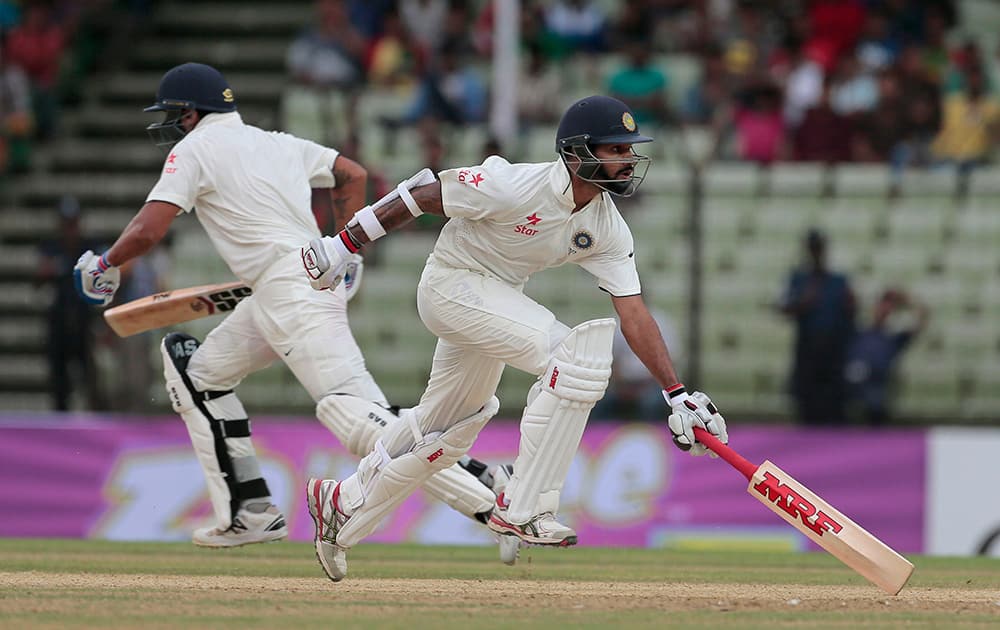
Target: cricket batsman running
(507, 222)
(252, 192)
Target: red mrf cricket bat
(821, 522)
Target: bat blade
(174, 307)
(830, 528)
(822, 523)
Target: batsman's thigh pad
(403, 460)
(358, 423)
(558, 407)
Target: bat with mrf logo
(821, 522)
(173, 307)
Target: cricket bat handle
(737, 461)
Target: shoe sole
(312, 499)
(503, 529)
(205, 545)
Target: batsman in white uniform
(507, 222)
(251, 190)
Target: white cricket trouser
(482, 324)
(286, 319)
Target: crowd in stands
(818, 80)
(46, 49)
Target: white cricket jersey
(511, 220)
(250, 189)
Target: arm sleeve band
(369, 223)
(411, 203)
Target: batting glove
(325, 261)
(352, 275)
(96, 281)
(690, 411)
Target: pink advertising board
(137, 479)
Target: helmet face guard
(597, 171)
(169, 132)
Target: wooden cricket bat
(821, 522)
(173, 307)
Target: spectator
(834, 29)
(821, 304)
(969, 125)
(706, 99)
(642, 86)
(70, 338)
(15, 118)
(391, 58)
(425, 21)
(880, 131)
(327, 60)
(575, 26)
(803, 84)
(824, 135)
(879, 46)
(873, 354)
(853, 90)
(451, 92)
(37, 47)
(759, 125)
(368, 16)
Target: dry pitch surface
(76, 584)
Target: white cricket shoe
(322, 496)
(542, 529)
(510, 549)
(247, 528)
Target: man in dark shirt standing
(822, 305)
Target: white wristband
(411, 203)
(369, 223)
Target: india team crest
(628, 121)
(227, 95)
(583, 240)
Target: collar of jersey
(218, 118)
(559, 178)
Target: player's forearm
(647, 343)
(395, 213)
(137, 239)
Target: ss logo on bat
(227, 300)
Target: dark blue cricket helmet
(189, 86)
(598, 120)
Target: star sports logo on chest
(467, 177)
(527, 228)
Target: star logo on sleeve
(534, 219)
(170, 160)
(465, 176)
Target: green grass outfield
(100, 584)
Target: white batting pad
(357, 423)
(399, 464)
(554, 420)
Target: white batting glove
(352, 275)
(325, 261)
(96, 281)
(690, 411)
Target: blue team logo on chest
(583, 240)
